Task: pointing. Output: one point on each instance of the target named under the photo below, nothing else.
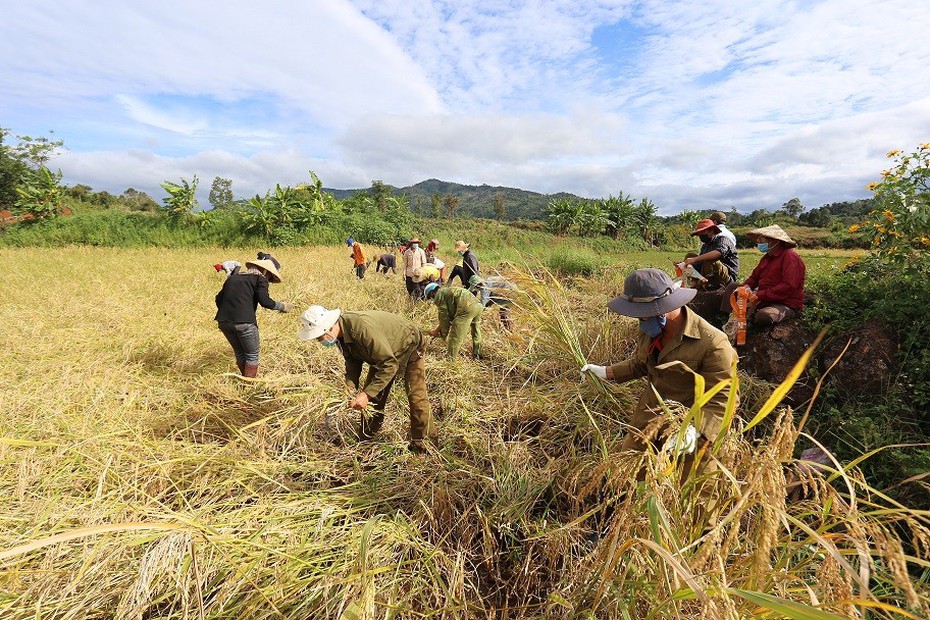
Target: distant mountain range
(474, 200)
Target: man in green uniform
(459, 311)
(670, 332)
(392, 346)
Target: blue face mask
(415, 246)
(653, 326)
(329, 342)
(763, 247)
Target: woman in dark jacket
(236, 303)
(469, 266)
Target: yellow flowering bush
(899, 228)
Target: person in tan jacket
(670, 332)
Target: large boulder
(771, 352)
(867, 368)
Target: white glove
(688, 442)
(598, 371)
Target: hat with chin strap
(650, 292)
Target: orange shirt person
(358, 257)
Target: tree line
(284, 214)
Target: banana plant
(182, 198)
(41, 195)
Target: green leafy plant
(899, 229)
(40, 194)
(181, 200)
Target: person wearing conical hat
(469, 266)
(674, 344)
(777, 282)
(236, 303)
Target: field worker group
(675, 342)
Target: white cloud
(320, 58)
(718, 102)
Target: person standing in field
(392, 346)
(358, 257)
(469, 266)
(776, 285)
(459, 314)
(432, 258)
(236, 303)
(414, 258)
(431, 248)
(669, 332)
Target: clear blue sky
(695, 105)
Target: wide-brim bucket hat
(703, 225)
(268, 266)
(650, 292)
(773, 232)
(315, 321)
(461, 246)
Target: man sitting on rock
(720, 219)
(776, 285)
(717, 262)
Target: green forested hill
(473, 200)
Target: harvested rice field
(142, 478)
